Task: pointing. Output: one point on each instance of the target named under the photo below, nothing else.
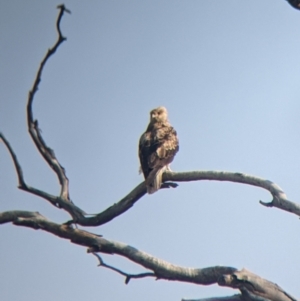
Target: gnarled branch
(35, 133)
(279, 200)
(62, 201)
(56, 201)
(251, 286)
(254, 287)
(96, 243)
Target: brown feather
(157, 148)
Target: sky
(228, 73)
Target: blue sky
(228, 73)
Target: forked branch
(55, 201)
(63, 201)
(96, 243)
(279, 199)
(250, 285)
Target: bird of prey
(157, 148)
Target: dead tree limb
(251, 286)
(95, 243)
(54, 200)
(34, 131)
(279, 198)
(254, 287)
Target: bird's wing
(146, 148)
(166, 149)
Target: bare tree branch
(22, 184)
(229, 298)
(128, 276)
(246, 295)
(115, 210)
(10, 216)
(279, 198)
(254, 287)
(236, 177)
(95, 243)
(15, 160)
(35, 133)
(56, 201)
(251, 286)
(63, 201)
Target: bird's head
(159, 114)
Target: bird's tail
(154, 179)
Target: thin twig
(15, 160)
(128, 277)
